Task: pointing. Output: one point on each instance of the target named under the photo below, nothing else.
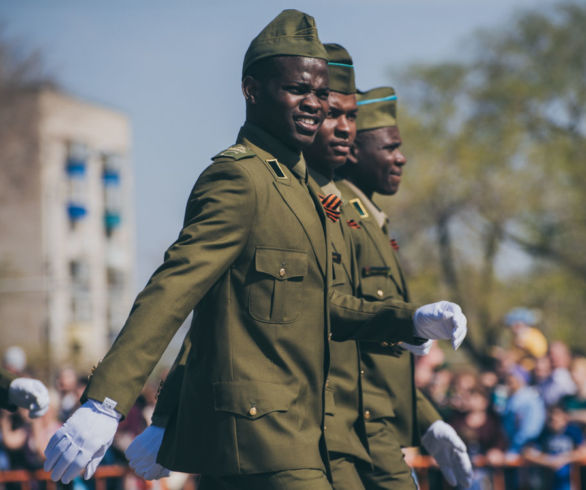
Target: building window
(77, 188)
(112, 193)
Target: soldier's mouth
(309, 124)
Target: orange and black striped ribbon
(394, 244)
(331, 204)
(353, 224)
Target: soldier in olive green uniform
(254, 259)
(396, 413)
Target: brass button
(384, 343)
(367, 414)
(362, 372)
(253, 411)
(330, 336)
(380, 293)
(282, 272)
(325, 428)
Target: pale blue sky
(174, 68)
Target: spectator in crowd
(482, 432)
(67, 386)
(524, 415)
(544, 383)
(560, 444)
(575, 404)
(529, 342)
(14, 360)
(561, 359)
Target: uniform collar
(380, 217)
(268, 147)
(327, 185)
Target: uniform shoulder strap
(235, 152)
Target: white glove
(418, 350)
(142, 454)
(82, 441)
(443, 320)
(442, 442)
(31, 394)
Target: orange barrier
(424, 464)
(102, 474)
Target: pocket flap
(252, 399)
(378, 406)
(281, 264)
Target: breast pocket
(275, 292)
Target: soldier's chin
(305, 139)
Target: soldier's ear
(250, 89)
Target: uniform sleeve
(5, 379)
(218, 219)
(168, 397)
(357, 318)
(426, 413)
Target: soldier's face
(293, 101)
(380, 160)
(331, 147)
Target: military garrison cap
(340, 69)
(377, 108)
(291, 33)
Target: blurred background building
(67, 221)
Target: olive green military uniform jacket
(344, 426)
(345, 431)
(5, 379)
(388, 382)
(253, 260)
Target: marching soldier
(253, 258)
(396, 413)
(344, 427)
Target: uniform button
(362, 372)
(330, 336)
(384, 343)
(367, 414)
(253, 411)
(325, 428)
(327, 382)
(380, 293)
(282, 272)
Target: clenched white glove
(142, 454)
(442, 320)
(82, 441)
(442, 442)
(31, 394)
(418, 350)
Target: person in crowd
(482, 432)
(524, 414)
(560, 444)
(575, 405)
(529, 342)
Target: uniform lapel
(302, 205)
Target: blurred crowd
(529, 401)
(23, 439)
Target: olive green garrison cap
(377, 108)
(340, 69)
(291, 33)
